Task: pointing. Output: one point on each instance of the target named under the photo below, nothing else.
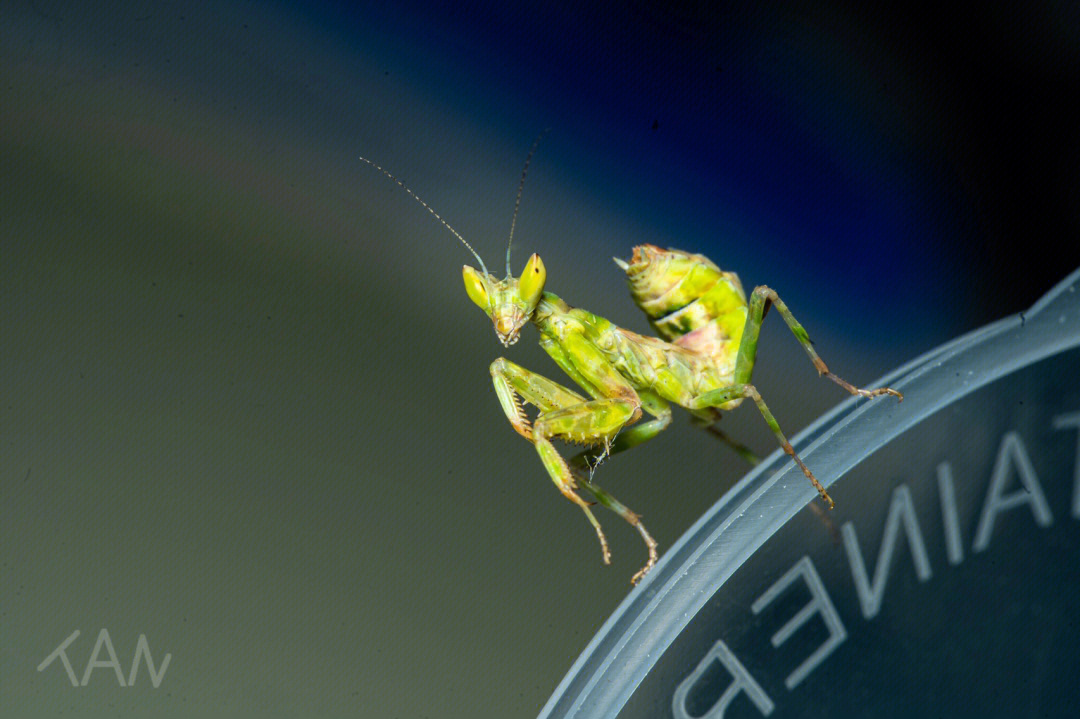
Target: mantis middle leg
(760, 299)
(632, 437)
(620, 509)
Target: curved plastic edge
(645, 624)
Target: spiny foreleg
(514, 383)
(563, 414)
(719, 397)
(760, 298)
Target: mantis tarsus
(703, 363)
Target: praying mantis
(703, 361)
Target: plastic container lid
(946, 581)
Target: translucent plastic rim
(638, 633)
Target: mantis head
(509, 303)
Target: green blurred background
(246, 409)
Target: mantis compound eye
(532, 280)
(476, 288)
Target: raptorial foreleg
(563, 414)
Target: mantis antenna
(517, 203)
(436, 214)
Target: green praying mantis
(703, 361)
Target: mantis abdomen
(689, 300)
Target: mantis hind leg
(707, 420)
(719, 397)
(760, 299)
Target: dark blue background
(929, 152)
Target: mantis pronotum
(703, 363)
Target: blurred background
(246, 410)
